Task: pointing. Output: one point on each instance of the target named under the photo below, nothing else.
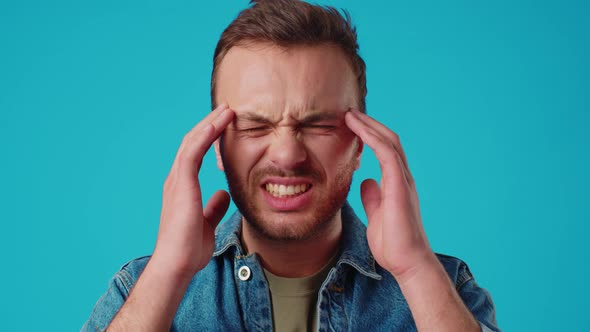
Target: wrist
(166, 271)
(427, 264)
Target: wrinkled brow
(322, 116)
(252, 117)
(309, 118)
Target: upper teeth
(282, 190)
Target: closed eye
(254, 129)
(319, 127)
(322, 126)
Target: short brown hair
(291, 23)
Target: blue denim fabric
(357, 295)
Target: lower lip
(288, 203)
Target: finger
(196, 146)
(209, 119)
(387, 155)
(216, 208)
(370, 196)
(386, 132)
(198, 128)
(406, 172)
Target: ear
(218, 155)
(358, 153)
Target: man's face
(288, 156)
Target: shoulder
(136, 265)
(130, 272)
(477, 299)
(116, 294)
(456, 268)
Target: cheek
(242, 153)
(333, 150)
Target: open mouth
(287, 194)
(291, 190)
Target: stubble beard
(319, 219)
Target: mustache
(297, 172)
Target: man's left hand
(395, 233)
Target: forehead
(281, 83)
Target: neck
(296, 258)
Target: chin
(289, 226)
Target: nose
(287, 150)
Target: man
(288, 126)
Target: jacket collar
(355, 248)
(227, 235)
(354, 252)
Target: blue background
(491, 100)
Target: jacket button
(244, 273)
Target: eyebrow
(321, 116)
(309, 118)
(253, 117)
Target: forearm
(433, 300)
(153, 302)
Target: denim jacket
(357, 295)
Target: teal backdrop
(490, 99)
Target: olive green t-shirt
(294, 300)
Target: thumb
(216, 208)
(370, 196)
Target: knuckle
(394, 138)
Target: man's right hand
(186, 235)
